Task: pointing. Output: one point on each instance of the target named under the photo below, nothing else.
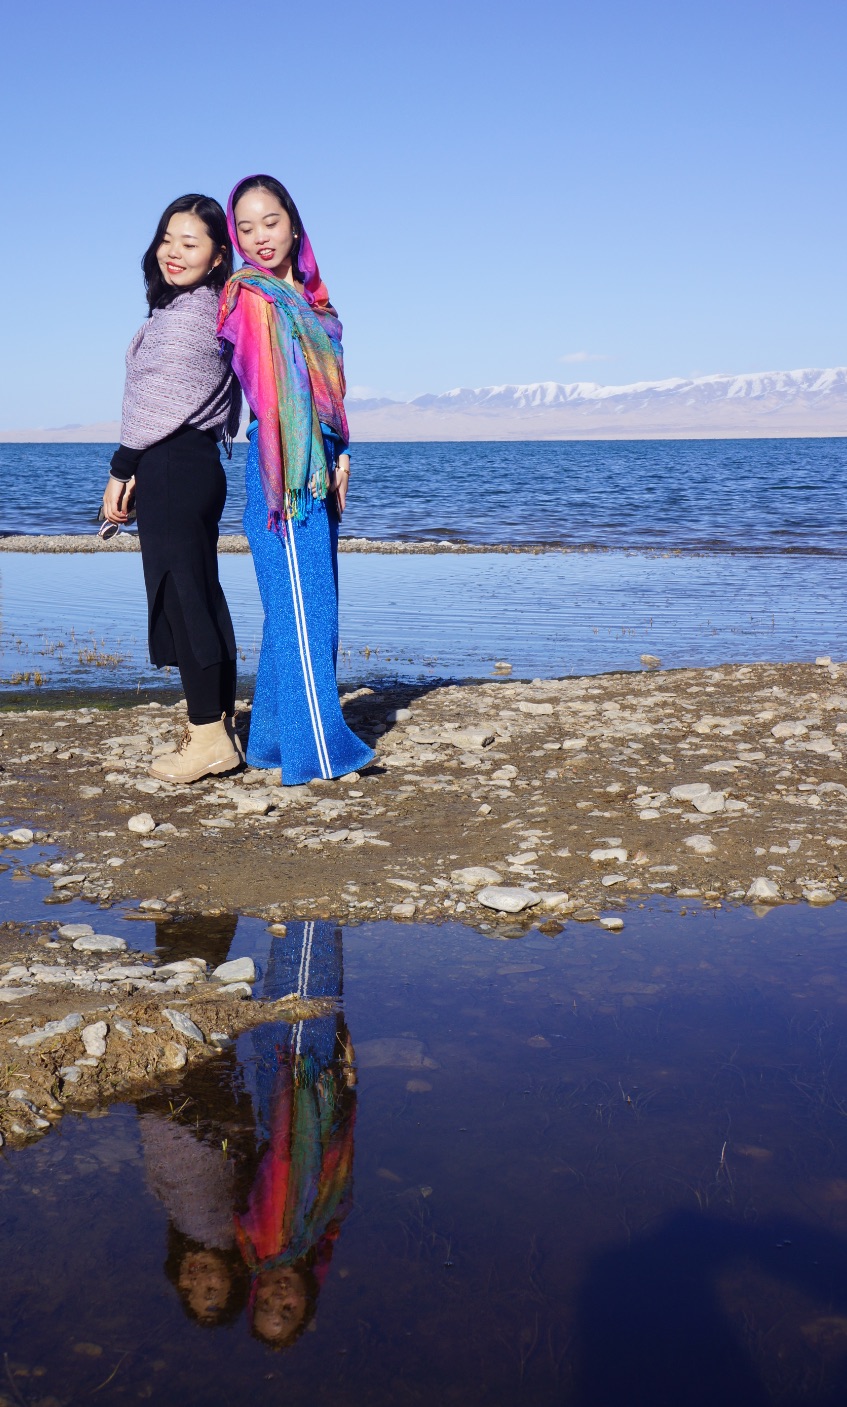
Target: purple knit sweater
(174, 373)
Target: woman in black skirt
(180, 400)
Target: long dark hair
(277, 189)
(207, 209)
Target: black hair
(276, 189)
(207, 209)
(304, 1270)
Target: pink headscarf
(314, 288)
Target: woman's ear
(220, 257)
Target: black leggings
(209, 692)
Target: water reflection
(253, 1159)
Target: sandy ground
(502, 803)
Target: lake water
(80, 620)
(566, 1171)
(697, 495)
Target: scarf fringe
(299, 503)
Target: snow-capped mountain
(769, 403)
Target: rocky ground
(501, 803)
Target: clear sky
(496, 192)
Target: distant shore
(236, 542)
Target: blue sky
(496, 192)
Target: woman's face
(205, 1283)
(264, 231)
(187, 254)
(280, 1304)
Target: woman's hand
(341, 482)
(117, 499)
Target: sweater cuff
(124, 462)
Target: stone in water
(764, 891)
(507, 900)
(236, 970)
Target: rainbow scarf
(286, 352)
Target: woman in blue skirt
(286, 352)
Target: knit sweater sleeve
(173, 370)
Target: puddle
(573, 1170)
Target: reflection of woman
(303, 1088)
(286, 341)
(191, 1166)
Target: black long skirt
(180, 494)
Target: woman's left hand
(341, 483)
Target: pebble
(94, 1038)
(612, 852)
(612, 923)
(99, 943)
(475, 737)
(507, 900)
(690, 791)
(406, 909)
(75, 930)
(21, 836)
(818, 896)
(142, 824)
(608, 881)
(764, 891)
(536, 709)
(237, 989)
(184, 1025)
(701, 844)
(52, 1028)
(156, 906)
(70, 1074)
(398, 715)
(236, 970)
(651, 661)
(475, 877)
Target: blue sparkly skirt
(297, 723)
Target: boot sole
(216, 769)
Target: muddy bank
(721, 783)
(84, 1020)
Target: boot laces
(184, 741)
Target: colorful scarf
(286, 352)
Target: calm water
(572, 1170)
(80, 620)
(706, 495)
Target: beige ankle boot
(204, 749)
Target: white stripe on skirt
(305, 653)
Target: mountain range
(767, 404)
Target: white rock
(789, 729)
(690, 791)
(709, 805)
(94, 1038)
(649, 813)
(612, 923)
(474, 737)
(184, 1025)
(611, 852)
(236, 970)
(75, 930)
(506, 900)
(652, 662)
(764, 891)
(574, 744)
(823, 660)
(504, 774)
(398, 715)
(52, 1028)
(552, 899)
(253, 806)
(701, 844)
(535, 708)
(99, 943)
(818, 896)
(406, 909)
(70, 1074)
(475, 877)
(142, 824)
(21, 836)
(237, 989)
(609, 880)
(187, 966)
(15, 994)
